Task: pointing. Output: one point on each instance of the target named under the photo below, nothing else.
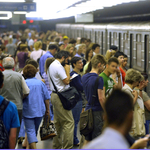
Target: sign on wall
(8, 6)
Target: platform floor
(46, 144)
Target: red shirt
(123, 75)
(1, 68)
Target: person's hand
(67, 67)
(141, 85)
(118, 72)
(43, 80)
(135, 93)
(142, 143)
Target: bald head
(8, 63)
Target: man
(109, 84)
(119, 116)
(50, 53)
(96, 49)
(146, 100)
(120, 56)
(88, 80)
(10, 118)
(59, 73)
(77, 65)
(15, 88)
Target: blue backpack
(4, 138)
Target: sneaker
(20, 140)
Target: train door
(115, 39)
(126, 45)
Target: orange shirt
(123, 75)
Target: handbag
(138, 127)
(86, 117)
(68, 97)
(47, 130)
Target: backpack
(4, 138)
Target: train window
(109, 39)
(99, 37)
(120, 41)
(115, 42)
(90, 37)
(126, 44)
(138, 38)
(138, 50)
(138, 54)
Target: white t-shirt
(37, 54)
(109, 139)
(57, 73)
(31, 42)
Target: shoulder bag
(86, 117)
(68, 97)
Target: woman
(38, 51)
(35, 106)
(22, 56)
(88, 57)
(132, 80)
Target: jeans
(147, 126)
(76, 115)
(32, 126)
(22, 129)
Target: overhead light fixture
(9, 15)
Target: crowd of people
(35, 67)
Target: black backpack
(4, 138)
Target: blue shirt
(76, 82)
(33, 104)
(10, 116)
(42, 61)
(88, 81)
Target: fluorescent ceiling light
(9, 15)
(20, 12)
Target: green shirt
(108, 83)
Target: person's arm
(141, 86)
(25, 88)
(135, 94)
(140, 143)
(16, 59)
(147, 104)
(12, 138)
(101, 97)
(47, 113)
(67, 80)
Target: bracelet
(118, 76)
(140, 90)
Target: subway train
(131, 38)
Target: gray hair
(133, 76)
(8, 63)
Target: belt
(54, 91)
